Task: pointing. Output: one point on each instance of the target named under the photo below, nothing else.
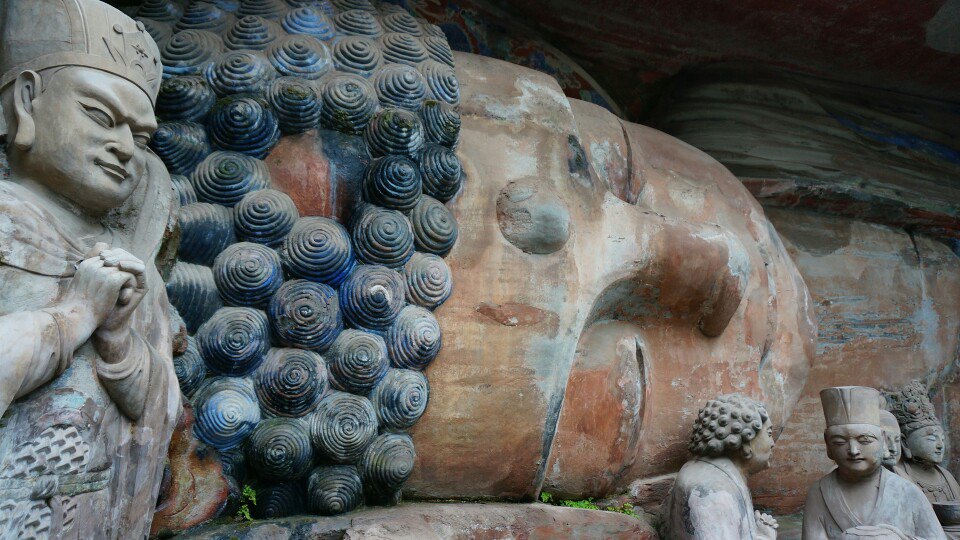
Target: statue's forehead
(119, 93)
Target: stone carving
(349, 295)
(923, 451)
(732, 439)
(613, 205)
(861, 498)
(892, 438)
(88, 390)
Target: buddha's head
(855, 441)
(735, 426)
(922, 440)
(78, 112)
(891, 436)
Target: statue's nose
(853, 449)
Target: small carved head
(922, 434)
(736, 426)
(892, 437)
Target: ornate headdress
(912, 407)
(43, 34)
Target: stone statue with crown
(923, 448)
(87, 391)
(860, 498)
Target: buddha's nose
(853, 450)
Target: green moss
(249, 497)
(588, 504)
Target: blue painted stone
(414, 339)
(318, 249)
(234, 341)
(226, 412)
(372, 297)
(226, 177)
(305, 314)
(264, 216)
(247, 274)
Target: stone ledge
(426, 521)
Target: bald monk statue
(860, 497)
(732, 439)
(87, 389)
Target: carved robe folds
(82, 454)
(899, 503)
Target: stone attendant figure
(860, 498)
(891, 436)
(923, 447)
(87, 388)
(732, 439)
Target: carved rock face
(607, 279)
(579, 342)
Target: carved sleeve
(717, 515)
(32, 353)
(814, 515)
(128, 381)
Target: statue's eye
(98, 115)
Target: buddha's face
(892, 437)
(857, 449)
(91, 129)
(926, 445)
(761, 448)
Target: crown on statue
(43, 34)
(912, 407)
(850, 405)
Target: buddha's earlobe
(26, 89)
(905, 450)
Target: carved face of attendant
(759, 449)
(892, 436)
(857, 449)
(925, 445)
(81, 133)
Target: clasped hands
(100, 299)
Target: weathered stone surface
(798, 141)
(888, 311)
(430, 521)
(576, 368)
(88, 394)
(196, 490)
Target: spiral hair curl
(725, 424)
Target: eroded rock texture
(609, 279)
(579, 368)
(862, 186)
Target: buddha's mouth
(115, 171)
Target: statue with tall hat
(87, 390)
(732, 439)
(860, 498)
(923, 447)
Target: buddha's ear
(25, 89)
(905, 450)
(746, 451)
